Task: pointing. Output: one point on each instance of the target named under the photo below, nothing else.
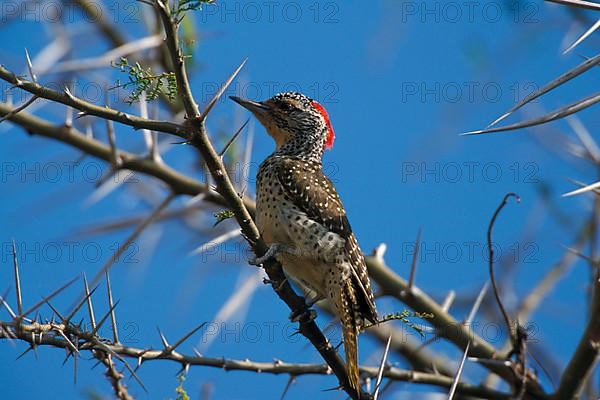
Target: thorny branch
(87, 108)
(199, 139)
(54, 334)
(112, 373)
(179, 183)
(446, 325)
(194, 132)
(586, 354)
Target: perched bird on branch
(301, 217)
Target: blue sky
(400, 81)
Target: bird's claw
(256, 260)
(273, 250)
(297, 316)
(314, 300)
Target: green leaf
(222, 216)
(181, 393)
(404, 317)
(145, 81)
(183, 6)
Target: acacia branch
(196, 134)
(177, 58)
(586, 355)
(117, 39)
(176, 181)
(243, 209)
(589, 5)
(535, 297)
(109, 30)
(224, 186)
(446, 326)
(47, 334)
(114, 376)
(68, 99)
(417, 356)
(185, 185)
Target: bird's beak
(257, 108)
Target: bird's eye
(286, 106)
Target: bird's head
(297, 123)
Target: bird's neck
(310, 150)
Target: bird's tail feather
(350, 333)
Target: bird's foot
(297, 316)
(313, 300)
(277, 285)
(274, 249)
(308, 313)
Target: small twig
(235, 135)
(509, 324)
(30, 66)
(134, 235)
(458, 373)
(413, 265)
(88, 295)
(113, 316)
(46, 298)
(163, 339)
(381, 369)
(476, 305)
(19, 109)
(112, 142)
(448, 300)
(291, 380)
(221, 90)
(578, 3)
(185, 337)
(3, 303)
(109, 313)
(17, 279)
(66, 319)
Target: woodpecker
(300, 215)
